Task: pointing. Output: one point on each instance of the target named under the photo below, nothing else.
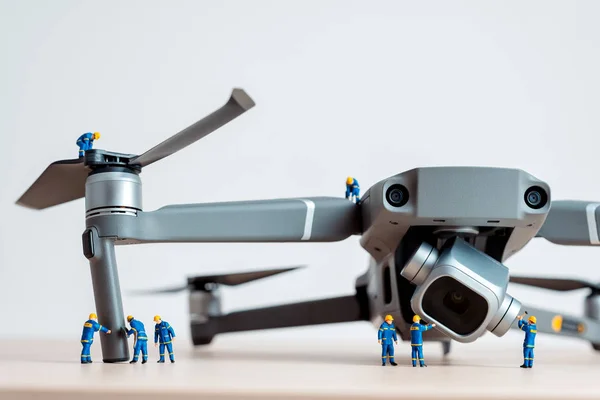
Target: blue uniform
(353, 190)
(529, 342)
(163, 333)
(140, 339)
(416, 342)
(85, 142)
(87, 338)
(387, 333)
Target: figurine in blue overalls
(166, 335)
(87, 337)
(86, 142)
(416, 340)
(140, 339)
(387, 333)
(530, 329)
(352, 189)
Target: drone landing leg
(107, 295)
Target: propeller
(235, 279)
(559, 284)
(64, 181)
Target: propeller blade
(224, 279)
(174, 289)
(559, 284)
(238, 103)
(238, 278)
(63, 181)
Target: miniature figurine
(165, 333)
(352, 189)
(416, 340)
(387, 332)
(140, 339)
(530, 330)
(87, 337)
(86, 141)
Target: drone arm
(317, 219)
(573, 223)
(564, 325)
(327, 311)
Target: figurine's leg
(524, 357)
(414, 356)
(161, 348)
(136, 352)
(383, 353)
(170, 350)
(391, 353)
(85, 353)
(144, 351)
(356, 194)
(421, 358)
(107, 295)
(528, 357)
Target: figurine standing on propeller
(530, 329)
(86, 142)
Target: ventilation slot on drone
(387, 285)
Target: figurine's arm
(394, 334)
(156, 335)
(522, 325)
(380, 333)
(316, 219)
(573, 223)
(101, 328)
(171, 331)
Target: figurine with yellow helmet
(140, 339)
(530, 329)
(87, 337)
(165, 335)
(352, 189)
(86, 142)
(385, 335)
(416, 340)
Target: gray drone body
(437, 237)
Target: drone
(437, 239)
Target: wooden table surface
(236, 367)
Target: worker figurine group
(387, 334)
(164, 336)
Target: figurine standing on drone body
(385, 335)
(530, 330)
(87, 337)
(352, 189)
(166, 335)
(416, 340)
(140, 343)
(86, 142)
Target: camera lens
(454, 305)
(397, 195)
(536, 197)
(456, 302)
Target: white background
(367, 89)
